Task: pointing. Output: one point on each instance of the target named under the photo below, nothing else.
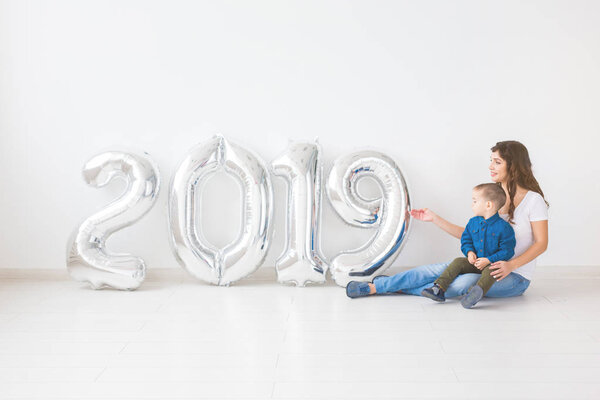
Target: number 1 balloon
(87, 258)
(389, 215)
(301, 262)
(245, 254)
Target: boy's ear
(489, 204)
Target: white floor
(178, 338)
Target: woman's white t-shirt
(531, 208)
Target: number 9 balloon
(87, 258)
(390, 214)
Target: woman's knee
(511, 286)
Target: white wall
(434, 84)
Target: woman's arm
(501, 269)
(425, 214)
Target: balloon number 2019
(302, 260)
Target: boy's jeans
(414, 280)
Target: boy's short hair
(492, 192)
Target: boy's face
(480, 205)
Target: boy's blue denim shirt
(492, 238)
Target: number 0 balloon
(193, 251)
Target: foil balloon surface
(220, 266)
(388, 215)
(87, 258)
(302, 261)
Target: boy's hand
(423, 214)
(472, 257)
(481, 263)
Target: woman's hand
(423, 214)
(501, 269)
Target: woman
(525, 209)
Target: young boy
(486, 239)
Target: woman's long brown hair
(518, 167)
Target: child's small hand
(472, 257)
(481, 263)
(423, 214)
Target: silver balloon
(245, 254)
(389, 215)
(87, 258)
(301, 261)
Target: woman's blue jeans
(414, 280)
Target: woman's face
(497, 168)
